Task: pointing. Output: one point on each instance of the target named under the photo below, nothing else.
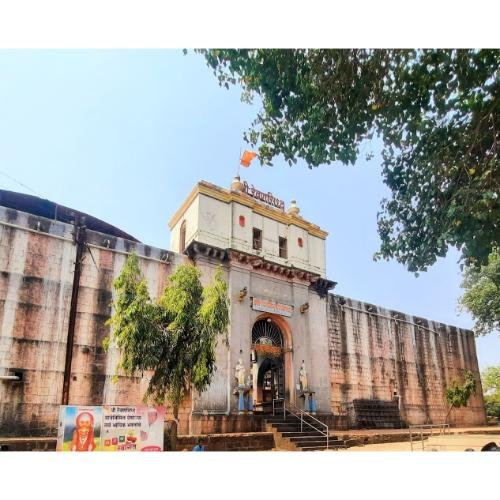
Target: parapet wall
(376, 353)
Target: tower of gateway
(275, 269)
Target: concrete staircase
(290, 435)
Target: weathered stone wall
(36, 272)
(37, 261)
(372, 353)
(225, 424)
(255, 441)
(376, 353)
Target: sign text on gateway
(265, 197)
(271, 306)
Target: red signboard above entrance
(270, 306)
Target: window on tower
(257, 239)
(283, 247)
(182, 237)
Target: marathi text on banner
(111, 428)
(132, 428)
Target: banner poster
(110, 428)
(132, 428)
(79, 428)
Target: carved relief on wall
(208, 219)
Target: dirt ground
(449, 442)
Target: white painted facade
(228, 223)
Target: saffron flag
(247, 157)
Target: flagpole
(238, 169)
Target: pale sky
(124, 136)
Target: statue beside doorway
(239, 373)
(305, 391)
(243, 389)
(303, 377)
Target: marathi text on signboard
(271, 307)
(111, 428)
(265, 197)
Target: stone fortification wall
(37, 263)
(380, 354)
(373, 352)
(36, 275)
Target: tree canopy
(491, 390)
(482, 294)
(436, 112)
(173, 337)
(491, 380)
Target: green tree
(458, 395)
(491, 390)
(436, 111)
(173, 337)
(491, 380)
(482, 294)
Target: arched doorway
(271, 380)
(268, 361)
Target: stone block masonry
(387, 355)
(37, 261)
(256, 441)
(226, 424)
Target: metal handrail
(279, 399)
(287, 406)
(441, 427)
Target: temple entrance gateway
(268, 365)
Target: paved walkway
(449, 442)
(458, 439)
(453, 430)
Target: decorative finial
(236, 184)
(293, 209)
